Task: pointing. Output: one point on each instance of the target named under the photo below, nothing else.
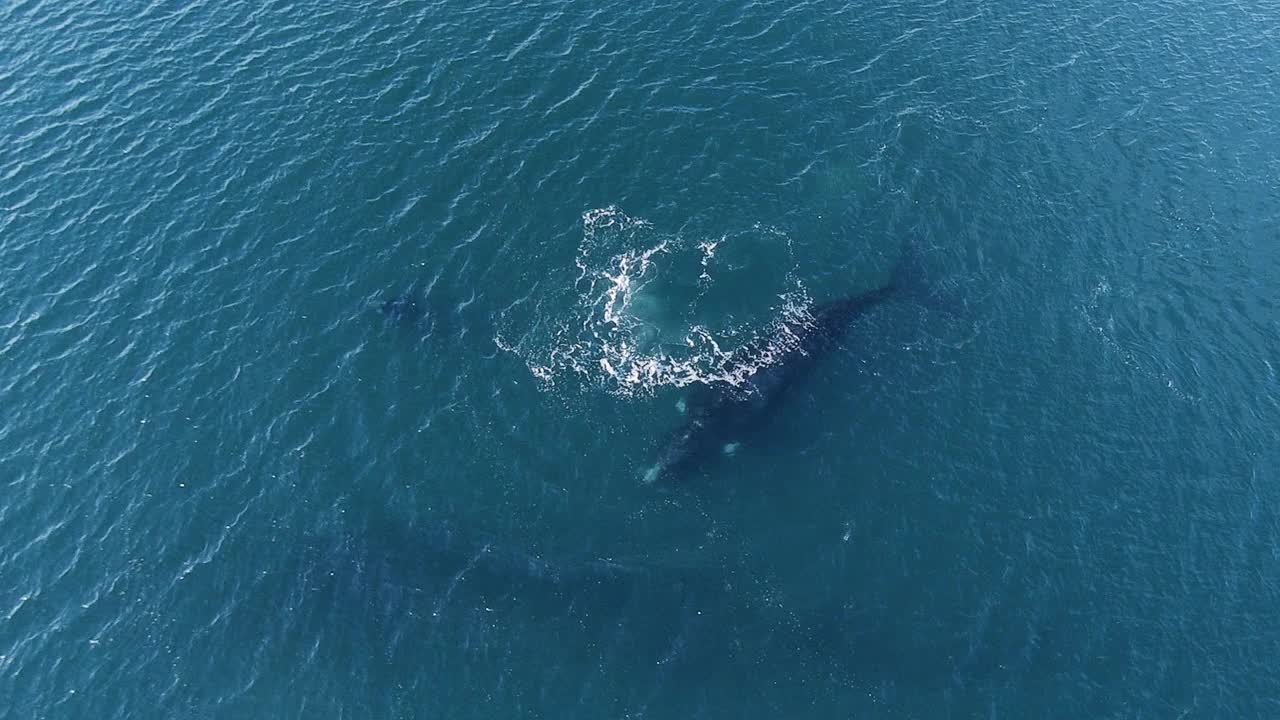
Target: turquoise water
(1043, 483)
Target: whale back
(768, 367)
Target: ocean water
(1042, 482)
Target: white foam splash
(708, 248)
(610, 342)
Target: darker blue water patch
(338, 341)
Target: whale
(718, 415)
(449, 567)
(407, 308)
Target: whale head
(712, 421)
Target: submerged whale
(404, 309)
(719, 415)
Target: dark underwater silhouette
(720, 415)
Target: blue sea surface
(338, 341)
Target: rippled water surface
(1040, 479)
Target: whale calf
(405, 309)
(718, 416)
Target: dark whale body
(411, 312)
(442, 564)
(720, 415)
(404, 309)
(438, 580)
